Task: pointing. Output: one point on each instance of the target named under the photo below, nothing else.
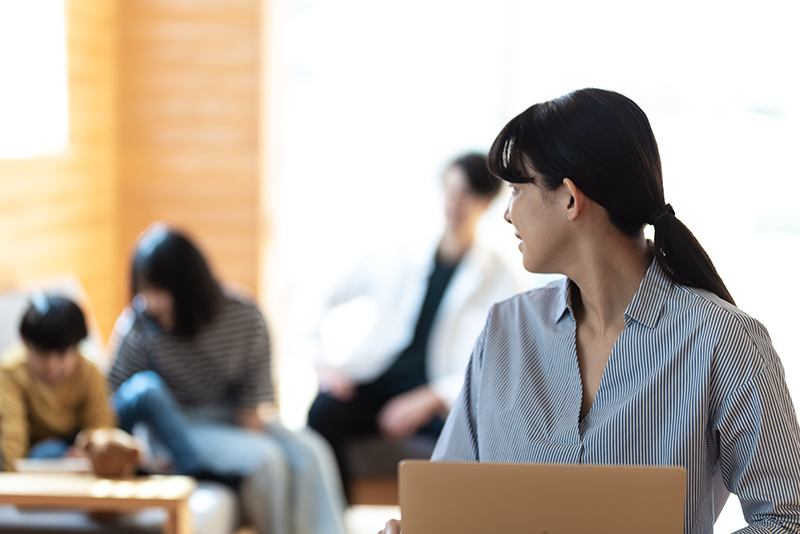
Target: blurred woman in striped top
(193, 363)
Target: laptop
(467, 498)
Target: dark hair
(602, 141)
(481, 181)
(168, 260)
(52, 323)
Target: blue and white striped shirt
(691, 381)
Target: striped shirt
(226, 361)
(691, 381)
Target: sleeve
(458, 441)
(96, 408)
(758, 443)
(256, 385)
(304, 329)
(130, 347)
(14, 433)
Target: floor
(368, 519)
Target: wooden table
(87, 492)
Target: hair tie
(660, 212)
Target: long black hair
(603, 142)
(168, 260)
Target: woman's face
(534, 214)
(159, 304)
(462, 207)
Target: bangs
(505, 161)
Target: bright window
(34, 113)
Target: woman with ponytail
(639, 356)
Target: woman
(203, 356)
(640, 356)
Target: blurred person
(49, 390)
(640, 356)
(431, 300)
(186, 345)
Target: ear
(576, 201)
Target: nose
(507, 213)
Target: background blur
(289, 136)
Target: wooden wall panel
(58, 214)
(189, 116)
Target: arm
(255, 386)
(248, 419)
(407, 413)
(758, 441)
(130, 348)
(14, 437)
(458, 441)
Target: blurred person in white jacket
(430, 302)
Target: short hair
(168, 260)
(481, 181)
(52, 323)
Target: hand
(405, 414)
(392, 527)
(248, 419)
(74, 452)
(335, 384)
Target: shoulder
(485, 259)
(13, 359)
(493, 273)
(721, 317)
(134, 334)
(134, 323)
(233, 309)
(533, 312)
(539, 304)
(738, 346)
(86, 365)
(235, 318)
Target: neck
(455, 243)
(607, 279)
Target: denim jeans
(49, 448)
(145, 398)
(290, 480)
(291, 483)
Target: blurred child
(49, 391)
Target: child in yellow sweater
(49, 391)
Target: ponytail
(603, 142)
(681, 256)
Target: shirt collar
(565, 297)
(646, 307)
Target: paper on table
(54, 465)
